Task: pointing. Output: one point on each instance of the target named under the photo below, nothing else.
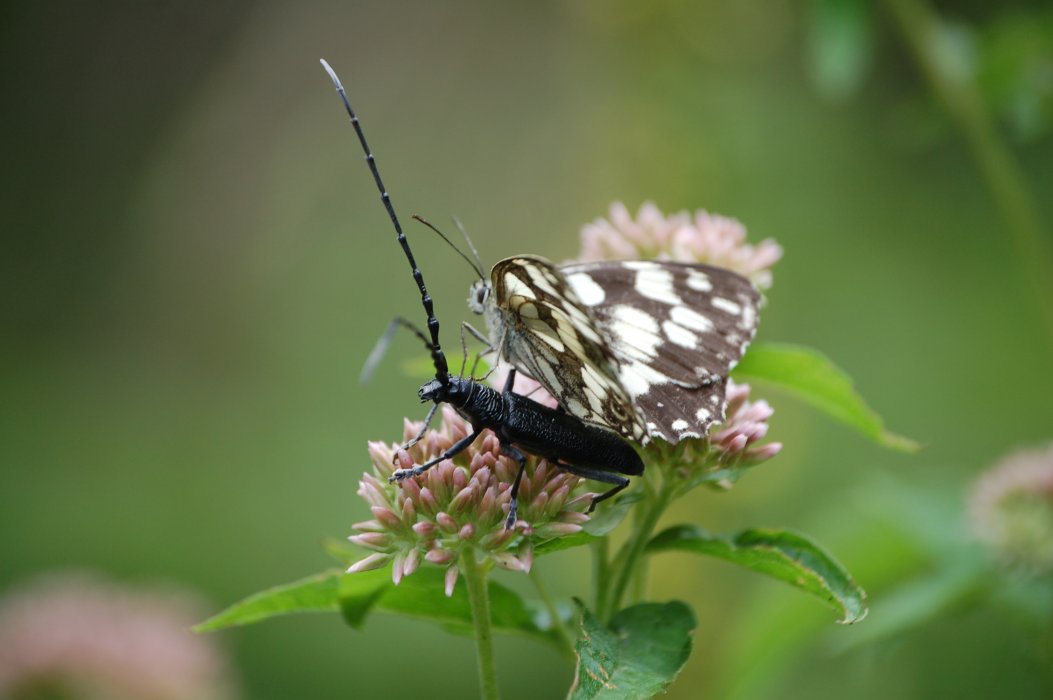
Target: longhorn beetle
(565, 441)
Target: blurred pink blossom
(683, 237)
(1011, 509)
(81, 636)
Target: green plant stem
(601, 572)
(922, 32)
(566, 640)
(632, 551)
(479, 599)
(641, 576)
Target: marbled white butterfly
(643, 347)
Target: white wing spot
(640, 265)
(637, 330)
(586, 288)
(690, 319)
(726, 305)
(749, 316)
(596, 385)
(526, 309)
(680, 425)
(516, 287)
(699, 281)
(541, 280)
(574, 407)
(656, 283)
(702, 415)
(639, 377)
(554, 342)
(680, 335)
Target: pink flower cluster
(746, 423)
(460, 502)
(1011, 509)
(80, 636)
(463, 502)
(683, 237)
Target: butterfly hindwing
(675, 330)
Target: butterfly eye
(477, 296)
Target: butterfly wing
(675, 331)
(548, 332)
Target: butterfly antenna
(478, 268)
(442, 369)
(471, 247)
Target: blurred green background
(195, 265)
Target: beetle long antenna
(478, 269)
(442, 370)
(471, 247)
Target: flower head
(746, 423)
(460, 502)
(682, 237)
(730, 446)
(76, 635)
(1011, 509)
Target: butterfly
(642, 347)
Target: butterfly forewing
(547, 331)
(675, 331)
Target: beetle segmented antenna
(442, 370)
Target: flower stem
(923, 34)
(479, 599)
(601, 573)
(629, 557)
(566, 641)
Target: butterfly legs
(465, 326)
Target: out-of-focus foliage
(1007, 50)
(195, 265)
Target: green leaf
(637, 656)
(960, 586)
(313, 594)
(812, 377)
(341, 550)
(609, 515)
(558, 544)
(783, 555)
(420, 596)
(359, 593)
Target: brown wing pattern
(550, 334)
(675, 331)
